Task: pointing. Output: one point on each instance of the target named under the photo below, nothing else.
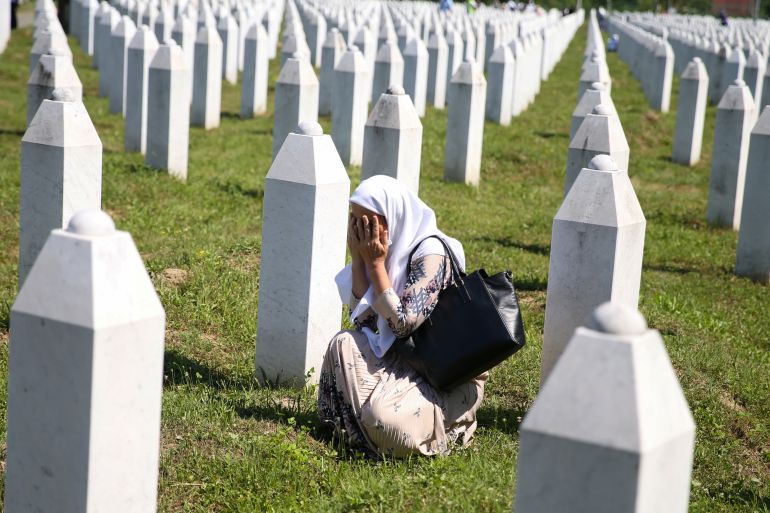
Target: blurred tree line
(681, 6)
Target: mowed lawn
(228, 444)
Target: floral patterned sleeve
(427, 277)
(367, 319)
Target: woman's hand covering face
(368, 238)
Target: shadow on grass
(537, 249)
(237, 189)
(751, 498)
(181, 370)
(531, 283)
(551, 135)
(504, 420)
(15, 133)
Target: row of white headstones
(739, 183)
(611, 420)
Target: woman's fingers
(375, 234)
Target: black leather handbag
(475, 325)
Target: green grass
(229, 445)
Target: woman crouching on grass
(373, 399)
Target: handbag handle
(457, 275)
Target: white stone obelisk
(735, 118)
(119, 41)
(691, 113)
(610, 430)
(107, 23)
(51, 73)
(595, 95)
(304, 230)
(597, 244)
(393, 139)
(500, 71)
(90, 8)
(49, 43)
(416, 73)
(228, 33)
(138, 57)
(388, 69)
(663, 77)
(753, 255)
(599, 134)
(438, 58)
(85, 376)
(255, 72)
(168, 110)
(349, 111)
(296, 98)
(207, 79)
(465, 125)
(753, 75)
(333, 48)
(61, 172)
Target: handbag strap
(457, 274)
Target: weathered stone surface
(304, 229)
(465, 125)
(85, 376)
(168, 110)
(438, 53)
(388, 69)
(207, 79)
(393, 140)
(610, 430)
(349, 110)
(500, 72)
(691, 112)
(138, 57)
(595, 95)
(753, 255)
(51, 73)
(61, 172)
(597, 244)
(599, 134)
(296, 98)
(735, 118)
(121, 37)
(416, 73)
(255, 72)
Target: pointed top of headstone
(63, 124)
(415, 46)
(55, 71)
(308, 158)
(144, 39)
(736, 56)
(125, 28)
(737, 97)
(468, 73)
(297, 70)
(352, 61)
(389, 52)
(394, 109)
(503, 54)
(617, 319)
(208, 35)
(257, 32)
(695, 70)
(169, 57)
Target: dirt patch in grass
(173, 277)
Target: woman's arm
(426, 279)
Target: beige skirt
(383, 407)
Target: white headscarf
(410, 221)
